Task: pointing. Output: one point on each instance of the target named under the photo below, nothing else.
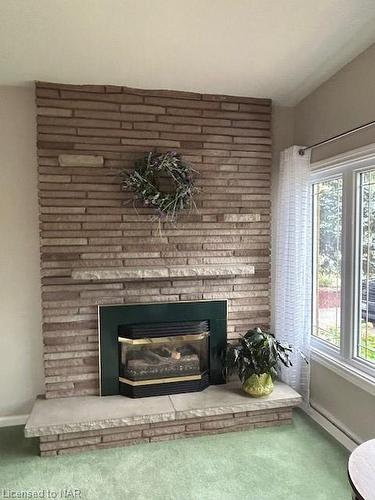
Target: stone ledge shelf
(136, 273)
(85, 423)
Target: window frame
(347, 166)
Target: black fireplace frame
(112, 317)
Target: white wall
(345, 101)
(21, 377)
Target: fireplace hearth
(159, 349)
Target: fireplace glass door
(162, 353)
(161, 358)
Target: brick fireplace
(97, 248)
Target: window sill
(357, 377)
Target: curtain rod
(338, 136)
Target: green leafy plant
(256, 353)
(162, 181)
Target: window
(366, 275)
(343, 305)
(327, 226)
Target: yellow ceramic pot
(258, 385)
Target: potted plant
(257, 358)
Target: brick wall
(87, 222)
(72, 442)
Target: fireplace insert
(158, 349)
(155, 354)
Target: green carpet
(293, 462)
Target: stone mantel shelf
(136, 273)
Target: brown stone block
(180, 136)
(217, 424)
(124, 428)
(251, 108)
(77, 122)
(52, 367)
(47, 162)
(285, 414)
(121, 444)
(236, 115)
(238, 99)
(84, 385)
(226, 106)
(141, 108)
(191, 296)
(166, 93)
(210, 139)
(55, 145)
(54, 179)
(273, 423)
(234, 131)
(222, 430)
(152, 298)
(60, 386)
(81, 368)
(105, 132)
(48, 132)
(70, 443)
(78, 435)
(259, 416)
(167, 437)
(184, 112)
(61, 210)
(63, 241)
(131, 121)
(50, 453)
(74, 160)
(61, 194)
(181, 103)
(72, 378)
(158, 431)
(209, 418)
(81, 186)
(46, 111)
(251, 154)
(240, 414)
(193, 129)
(194, 120)
(72, 104)
(122, 436)
(48, 439)
(152, 126)
(60, 226)
(71, 393)
(98, 114)
(68, 86)
(70, 249)
(105, 97)
(113, 89)
(262, 124)
(193, 427)
(66, 202)
(150, 142)
(43, 92)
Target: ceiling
(282, 49)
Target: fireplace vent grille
(163, 329)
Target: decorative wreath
(163, 181)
